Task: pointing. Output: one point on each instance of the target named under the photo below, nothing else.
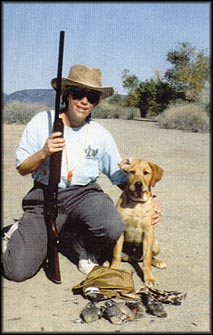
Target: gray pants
(84, 210)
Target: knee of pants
(113, 231)
(23, 258)
(117, 233)
(26, 249)
(19, 266)
(15, 274)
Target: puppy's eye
(145, 173)
(132, 172)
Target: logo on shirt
(91, 153)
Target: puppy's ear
(125, 163)
(157, 173)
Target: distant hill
(39, 96)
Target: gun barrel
(51, 194)
(59, 75)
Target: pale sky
(112, 36)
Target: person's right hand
(54, 143)
(156, 218)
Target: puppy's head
(142, 175)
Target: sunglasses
(78, 93)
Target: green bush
(185, 116)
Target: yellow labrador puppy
(136, 209)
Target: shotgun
(52, 268)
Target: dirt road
(38, 305)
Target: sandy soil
(38, 305)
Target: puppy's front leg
(149, 278)
(117, 252)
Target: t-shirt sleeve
(33, 138)
(109, 162)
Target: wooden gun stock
(52, 268)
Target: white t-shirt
(90, 150)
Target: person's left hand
(157, 212)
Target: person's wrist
(44, 154)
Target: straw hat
(86, 77)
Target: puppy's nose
(138, 186)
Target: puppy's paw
(158, 263)
(151, 281)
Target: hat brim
(66, 82)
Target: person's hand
(157, 211)
(54, 143)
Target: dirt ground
(38, 305)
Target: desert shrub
(204, 100)
(21, 112)
(129, 113)
(185, 116)
(100, 112)
(110, 111)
